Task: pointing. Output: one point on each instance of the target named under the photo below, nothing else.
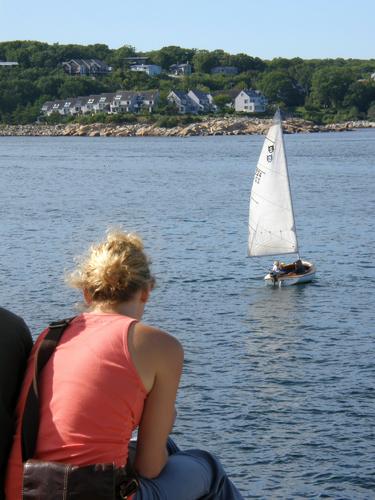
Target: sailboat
(272, 229)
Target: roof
(86, 62)
(252, 93)
(180, 94)
(201, 95)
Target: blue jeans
(189, 475)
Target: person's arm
(159, 360)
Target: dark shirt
(15, 347)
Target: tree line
(322, 90)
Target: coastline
(209, 127)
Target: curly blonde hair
(113, 270)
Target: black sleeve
(15, 347)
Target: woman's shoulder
(154, 352)
(156, 339)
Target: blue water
(278, 382)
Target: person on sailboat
(299, 268)
(277, 267)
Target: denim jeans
(189, 475)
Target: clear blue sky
(267, 29)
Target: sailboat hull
(292, 278)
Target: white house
(149, 69)
(132, 102)
(250, 101)
(183, 102)
(180, 69)
(103, 103)
(88, 103)
(203, 100)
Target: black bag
(54, 480)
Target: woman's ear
(145, 294)
(87, 297)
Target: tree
(246, 63)
(279, 87)
(222, 101)
(371, 112)
(204, 61)
(118, 56)
(172, 54)
(329, 86)
(360, 94)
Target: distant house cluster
(124, 101)
(86, 67)
(114, 102)
(195, 101)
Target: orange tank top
(91, 398)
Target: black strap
(30, 417)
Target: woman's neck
(132, 308)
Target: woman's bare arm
(159, 359)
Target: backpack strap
(30, 417)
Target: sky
(265, 29)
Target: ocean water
(278, 382)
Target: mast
(277, 117)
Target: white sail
(271, 220)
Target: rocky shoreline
(209, 127)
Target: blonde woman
(111, 374)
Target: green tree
(222, 101)
(330, 85)
(371, 112)
(172, 54)
(360, 94)
(204, 61)
(281, 88)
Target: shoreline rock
(209, 127)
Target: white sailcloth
(271, 220)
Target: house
(123, 102)
(88, 103)
(204, 101)
(250, 101)
(46, 108)
(183, 102)
(54, 107)
(77, 105)
(180, 69)
(224, 70)
(150, 99)
(84, 67)
(132, 102)
(149, 69)
(103, 103)
(118, 102)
